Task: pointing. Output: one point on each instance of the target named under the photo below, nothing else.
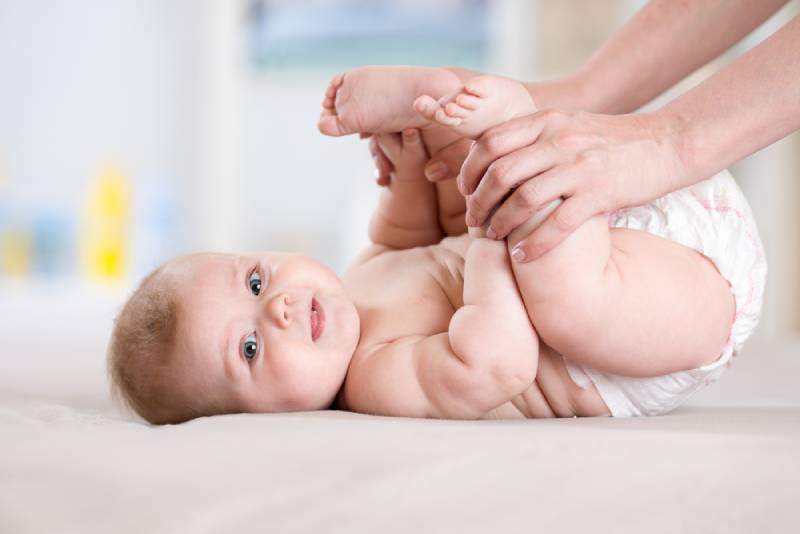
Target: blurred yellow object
(16, 252)
(104, 240)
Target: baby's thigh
(655, 307)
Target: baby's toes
(427, 107)
(329, 124)
(453, 109)
(468, 101)
(336, 82)
(477, 87)
(443, 118)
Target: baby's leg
(625, 301)
(380, 99)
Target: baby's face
(266, 332)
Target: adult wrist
(565, 93)
(576, 92)
(679, 135)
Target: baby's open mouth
(317, 319)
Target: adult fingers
(446, 163)
(557, 227)
(506, 174)
(530, 197)
(496, 143)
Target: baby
(628, 320)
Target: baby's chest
(406, 293)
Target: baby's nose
(278, 309)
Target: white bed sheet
(728, 462)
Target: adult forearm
(659, 46)
(750, 104)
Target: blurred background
(134, 130)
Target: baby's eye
(250, 347)
(254, 281)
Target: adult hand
(596, 163)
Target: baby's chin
(348, 322)
(300, 400)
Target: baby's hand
(406, 153)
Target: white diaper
(713, 218)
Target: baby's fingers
(383, 167)
(390, 144)
(413, 147)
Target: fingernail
(518, 254)
(491, 234)
(460, 184)
(410, 132)
(435, 171)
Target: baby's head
(208, 334)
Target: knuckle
(591, 160)
(604, 200)
(530, 194)
(475, 207)
(493, 141)
(564, 219)
(499, 173)
(567, 140)
(506, 220)
(553, 115)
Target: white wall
(90, 82)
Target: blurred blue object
(53, 242)
(344, 34)
(155, 226)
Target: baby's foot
(483, 102)
(380, 99)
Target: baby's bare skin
(426, 290)
(390, 99)
(658, 290)
(419, 307)
(428, 326)
(380, 99)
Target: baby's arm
(452, 205)
(407, 212)
(488, 356)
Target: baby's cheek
(301, 380)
